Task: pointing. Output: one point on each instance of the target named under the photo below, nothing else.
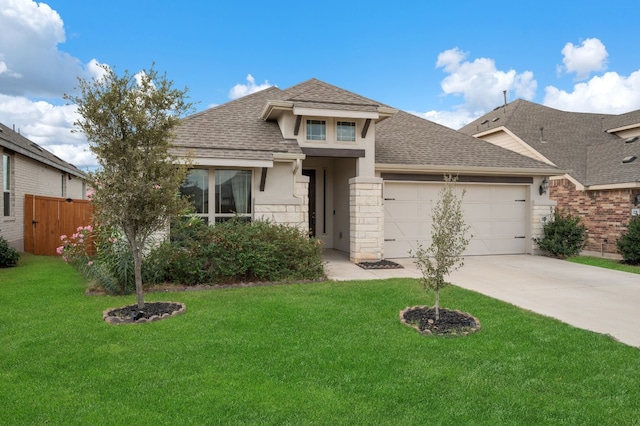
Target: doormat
(380, 264)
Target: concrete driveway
(588, 297)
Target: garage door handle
(389, 239)
(520, 201)
(520, 237)
(389, 199)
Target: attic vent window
(629, 159)
(631, 139)
(484, 122)
(495, 119)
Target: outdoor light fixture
(544, 186)
(636, 200)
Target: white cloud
(32, 66)
(480, 83)
(49, 126)
(590, 56)
(609, 93)
(240, 90)
(451, 119)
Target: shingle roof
(407, 139)
(573, 141)
(235, 130)
(18, 143)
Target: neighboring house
(359, 175)
(600, 152)
(27, 168)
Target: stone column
(366, 219)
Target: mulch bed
(451, 322)
(152, 311)
(380, 264)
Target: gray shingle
(411, 140)
(573, 141)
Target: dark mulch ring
(423, 319)
(152, 311)
(380, 264)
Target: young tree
(448, 240)
(129, 122)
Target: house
(600, 153)
(359, 175)
(29, 169)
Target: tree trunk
(437, 305)
(137, 270)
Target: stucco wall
(603, 212)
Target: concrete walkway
(587, 297)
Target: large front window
(232, 195)
(316, 130)
(6, 184)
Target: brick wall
(603, 212)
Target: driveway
(588, 297)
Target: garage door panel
(496, 215)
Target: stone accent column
(540, 215)
(366, 219)
(288, 211)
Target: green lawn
(605, 263)
(322, 353)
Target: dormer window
(316, 130)
(346, 131)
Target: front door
(312, 200)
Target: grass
(605, 263)
(299, 354)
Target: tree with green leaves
(449, 238)
(129, 122)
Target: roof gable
(571, 140)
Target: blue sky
(448, 62)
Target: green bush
(233, 251)
(8, 255)
(564, 235)
(629, 242)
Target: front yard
(319, 353)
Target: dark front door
(312, 200)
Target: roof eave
(472, 170)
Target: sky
(448, 62)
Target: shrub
(8, 255)
(629, 242)
(111, 268)
(234, 251)
(564, 235)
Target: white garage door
(497, 215)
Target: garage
(496, 213)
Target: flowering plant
(76, 248)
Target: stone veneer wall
(290, 211)
(604, 213)
(366, 219)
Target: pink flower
(156, 186)
(88, 228)
(60, 249)
(90, 263)
(63, 237)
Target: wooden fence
(47, 218)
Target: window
(6, 184)
(233, 194)
(316, 130)
(196, 188)
(346, 131)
